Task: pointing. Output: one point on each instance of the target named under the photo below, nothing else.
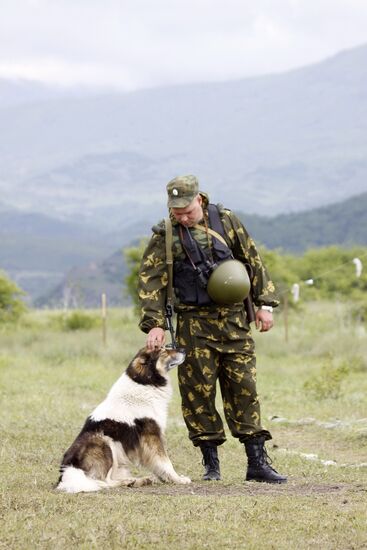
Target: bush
(77, 320)
(328, 382)
(133, 257)
(11, 304)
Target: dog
(126, 429)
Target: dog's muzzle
(177, 357)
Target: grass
(51, 379)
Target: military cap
(182, 191)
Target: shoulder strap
(211, 232)
(169, 261)
(216, 225)
(215, 219)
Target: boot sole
(280, 481)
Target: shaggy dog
(125, 429)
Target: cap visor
(178, 203)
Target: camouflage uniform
(217, 339)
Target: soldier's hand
(156, 338)
(264, 320)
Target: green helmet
(229, 283)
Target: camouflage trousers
(218, 346)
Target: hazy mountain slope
(104, 191)
(37, 250)
(19, 91)
(271, 144)
(344, 223)
(83, 286)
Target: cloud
(139, 43)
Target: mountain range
(343, 224)
(277, 143)
(83, 173)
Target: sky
(133, 44)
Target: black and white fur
(126, 429)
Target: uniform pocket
(237, 326)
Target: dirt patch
(293, 487)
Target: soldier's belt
(208, 311)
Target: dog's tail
(75, 480)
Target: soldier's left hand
(264, 320)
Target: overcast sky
(131, 44)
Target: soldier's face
(191, 214)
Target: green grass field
(313, 395)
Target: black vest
(190, 276)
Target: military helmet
(229, 283)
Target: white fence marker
(359, 266)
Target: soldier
(216, 336)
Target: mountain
(343, 224)
(21, 91)
(18, 91)
(37, 250)
(84, 175)
(83, 286)
(273, 144)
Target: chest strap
(211, 232)
(169, 300)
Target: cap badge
(175, 192)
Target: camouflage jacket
(153, 277)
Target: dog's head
(151, 367)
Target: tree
(282, 269)
(11, 304)
(133, 257)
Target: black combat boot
(210, 461)
(259, 464)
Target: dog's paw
(154, 480)
(131, 482)
(184, 480)
(141, 482)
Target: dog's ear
(141, 357)
(150, 355)
(146, 358)
(142, 368)
(151, 358)
(139, 366)
(155, 353)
